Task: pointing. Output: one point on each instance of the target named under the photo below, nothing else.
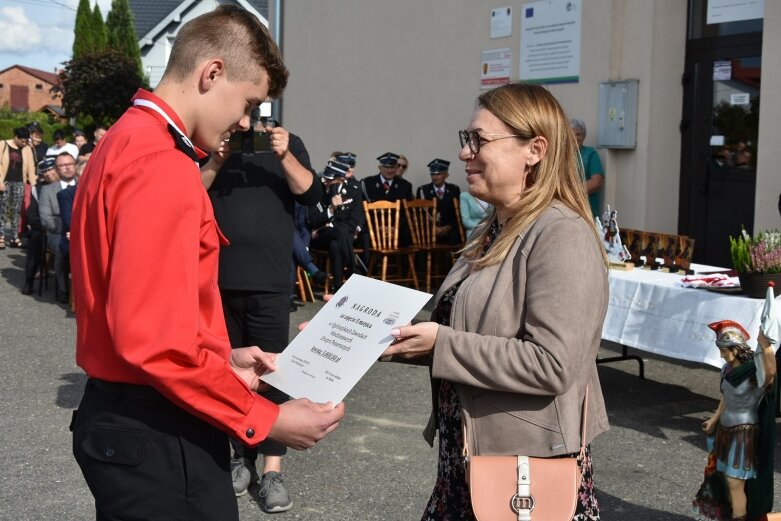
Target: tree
(122, 32)
(99, 85)
(99, 31)
(83, 33)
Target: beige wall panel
(665, 106)
(379, 79)
(768, 171)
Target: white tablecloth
(649, 312)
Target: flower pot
(754, 285)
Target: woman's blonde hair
(529, 110)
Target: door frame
(696, 121)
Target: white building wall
(403, 77)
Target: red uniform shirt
(144, 252)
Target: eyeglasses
(475, 140)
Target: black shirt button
(250, 433)
(109, 452)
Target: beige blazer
(523, 341)
(28, 162)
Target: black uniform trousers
(257, 318)
(144, 458)
(338, 240)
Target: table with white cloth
(649, 312)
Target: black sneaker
(273, 493)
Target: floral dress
(450, 500)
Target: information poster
(495, 67)
(723, 11)
(337, 347)
(550, 41)
(501, 22)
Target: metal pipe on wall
(277, 33)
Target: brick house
(24, 89)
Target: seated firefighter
(447, 218)
(334, 220)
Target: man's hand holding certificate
(344, 339)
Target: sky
(39, 33)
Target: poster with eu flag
(550, 41)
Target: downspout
(276, 106)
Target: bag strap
(583, 424)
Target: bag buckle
(523, 502)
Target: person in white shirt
(61, 145)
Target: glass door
(719, 132)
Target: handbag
(523, 488)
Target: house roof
(54, 109)
(149, 13)
(48, 77)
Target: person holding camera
(335, 219)
(253, 187)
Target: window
(39, 86)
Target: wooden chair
(461, 233)
(322, 258)
(422, 219)
(382, 221)
(304, 285)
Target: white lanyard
(152, 105)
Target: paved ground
(376, 466)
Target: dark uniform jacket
(446, 209)
(349, 214)
(374, 191)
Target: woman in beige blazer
(514, 336)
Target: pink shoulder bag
(522, 488)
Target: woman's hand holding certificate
(413, 341)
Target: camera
(261, 140)
(255, 140)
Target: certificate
(344, 339)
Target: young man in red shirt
(164, 385)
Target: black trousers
(258, 319)
(338, 240)
(34, 257)
(144, 458)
